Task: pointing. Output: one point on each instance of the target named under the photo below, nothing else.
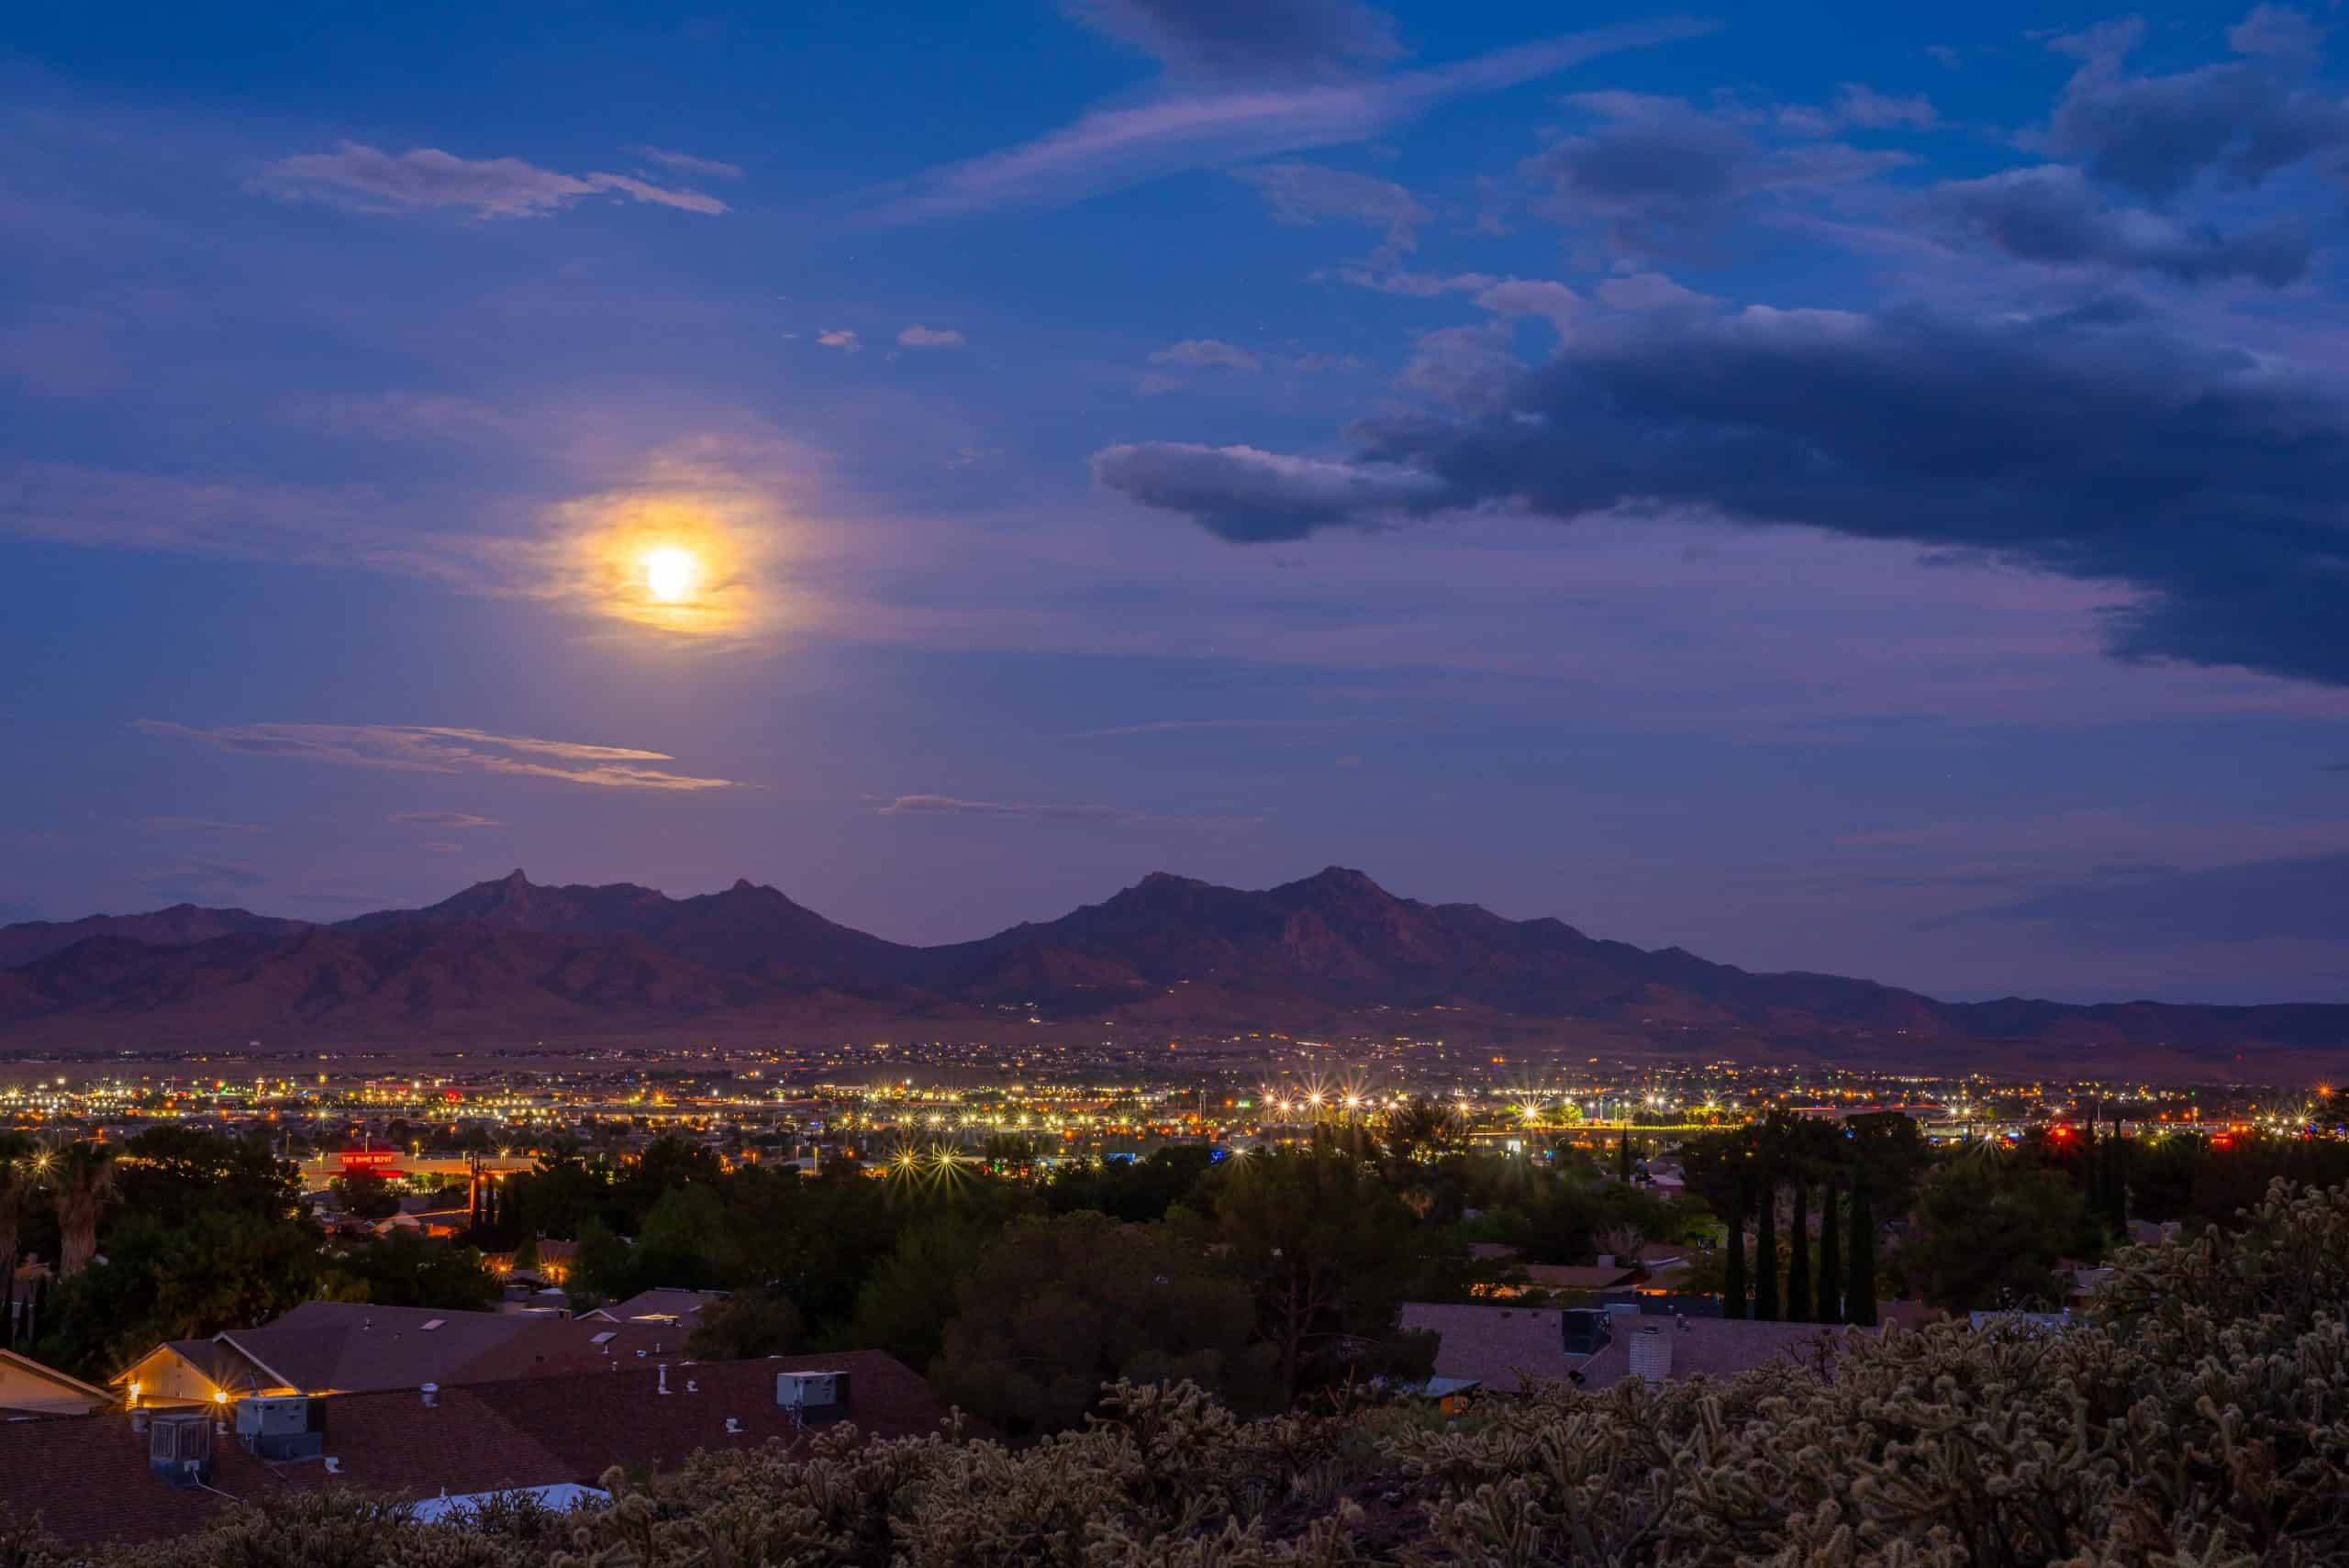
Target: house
(93, 1479)
(29, 1388)
(1506, 1349)
(683, 1307)
(334, 1347)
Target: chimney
(1651, 1355)
(432, 1392)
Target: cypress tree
(1733, 1267)
(1765, 1252)
(1830, 1254)
(1623, 1154)
(1859, 1289)
(1798, 1258)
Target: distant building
(1506, 1349)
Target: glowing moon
(669, 575)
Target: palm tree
(81, 1176)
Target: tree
(1733, 1269)
(1798, 1254)
(1765, 1245)
(525, 1255)
(1988, 1235)
(747, 1323)
(404, 1268)
(906, 1302)
(364, 1194)
(1859, 1285)
(1829, 1304)
(1326, 1249)
(170, 1173)
(81, 1176)
(18, 1191)
(1062, 1306)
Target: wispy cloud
(201, 825)
(686, 164)
(444, 819)
(1208, 353)
(438, 748)
(1048, 812)
(921, 337)
(360, 178)
(1109, 150)
(1185, 725)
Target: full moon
(669, 574)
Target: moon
(669, 575)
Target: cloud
(1864, 106)
(439, 749)
(1665, 174)
(359, 178)
(686, 164)
(1187, 725)
(1066, 814)
(1415, 285)
(444, 819)
(1651, 291)
(1552, 302)
(2155, 135)
(921, 337)
(2303, 897)
(2205, 484)
(1245, 494)
(2278, 32)
(201, 825)
(1208, 353)
(1219, 125)
(1249, 39)
(2052, 215)
(840, 338)
(1308, 194)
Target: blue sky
(1840, 487)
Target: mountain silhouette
(512, 960)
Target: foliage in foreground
(2201, 1417)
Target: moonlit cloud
(1107, 149)
(720, 508)
(1208, 353)
(360, 178)
(686, 164)
(921, 337)
(840, 338)
(439, 749)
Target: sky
(1840, 486)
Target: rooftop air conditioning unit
(281, 1426)
(1587, 1330)
(178, 1446)
(812, 1396)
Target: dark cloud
(1666, 174)
(2247, 118)
(2053, 215)
(1247, 37)
(2210, 482)
(1252, 497)
(2306, 899)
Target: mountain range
(513, 961)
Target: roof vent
(606, 1337)
(432, 1323)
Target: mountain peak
(513, 879)
(1340, 879)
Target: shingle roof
(683, 1305)
(347, 1347)
(1505, 1347)
(87, 1475)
